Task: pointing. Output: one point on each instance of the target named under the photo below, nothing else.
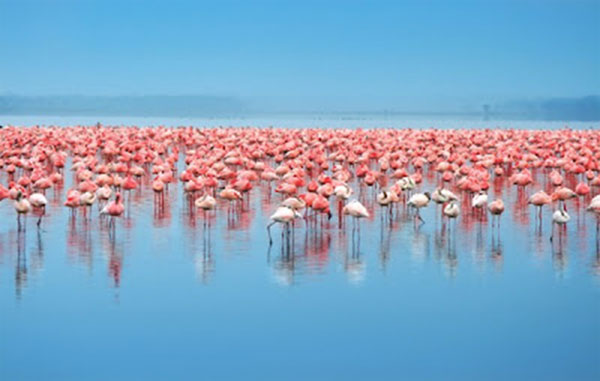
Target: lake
(168, 297)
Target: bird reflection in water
(559, 261)
(355, 251)
(480, 247)
(384, 246)
(355, 268)
(79, 241)
(21, 266)
(284, 267)
(354, 265)
(316, 248)
(451, 259)
(205, 265)
(115, 262)
(37, 257)
(496, 254)
(444, 246)
(161, 210)
(520, 209)
(285, 263)
(419, 246)
(559, 256)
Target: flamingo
(22, 207)
(342, 193)
(407, 184)
(594, 206)
(560, 217)
(452, 210)
(129, 184)
(114, 209)
(539, 199)
(158, 186)
(295, 203)
(103, 193)
(206, 203)
(442, 196)
(496, 208)
(321, 205)
(356, 210)
(230, 195)
(318, 162)
(38, 200)
(86, 200)
(386, 198)
(480, 201)
(418, 201)
(563, 194)
(73, 201)
(283, 215)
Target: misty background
(523, 59)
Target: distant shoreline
(297, 121)
(204, 106)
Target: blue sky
(366, 53)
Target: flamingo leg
(419, 216)
(269, 232)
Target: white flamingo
(283, 215)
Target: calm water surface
(167, 298)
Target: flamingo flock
(308, 173)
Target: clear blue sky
(373, 52)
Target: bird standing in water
(342, 193)
(560, 217)
(283, 215)
(442, 196)
(22, 207)
(480, 201)
(114, 209)
(452, 210)
(496, 208)
(595, 208)
(38, 200)
(418, 201)
(356, 210)
(206, 203)
(539, 199)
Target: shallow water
(167, 298)
(304, 120)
